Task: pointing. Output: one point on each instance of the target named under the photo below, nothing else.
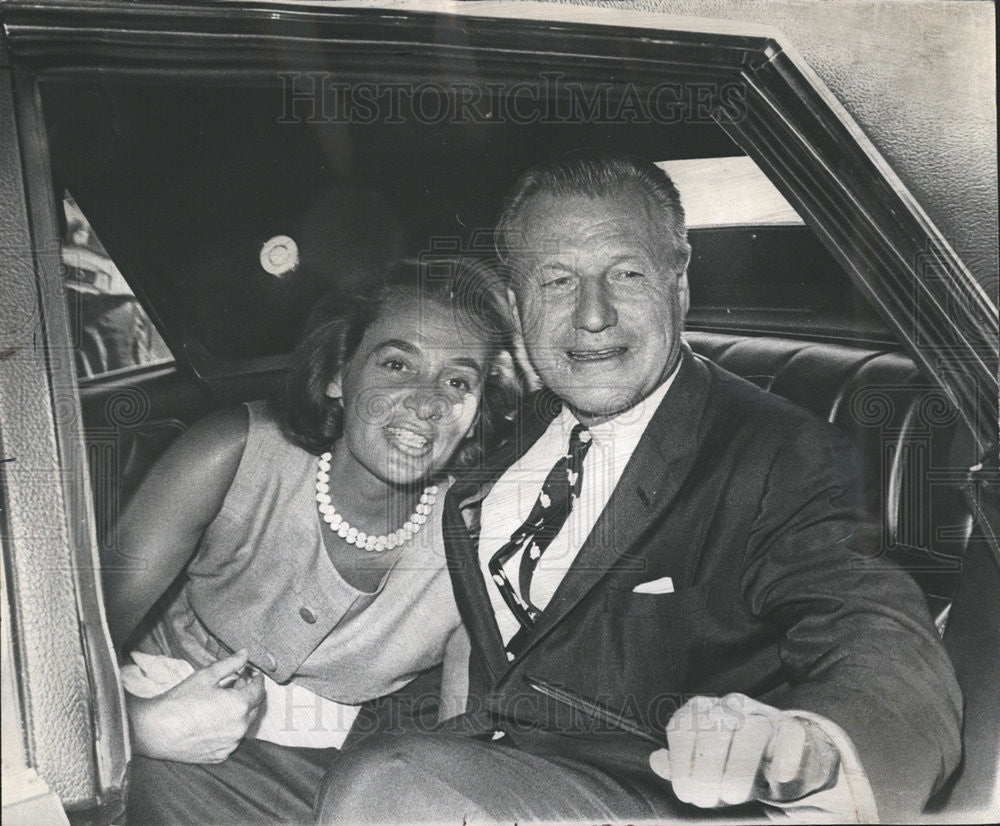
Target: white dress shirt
(510, 501)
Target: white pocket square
(663, 585)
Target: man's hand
(198, 720)
(729, 750)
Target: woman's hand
(198, 721)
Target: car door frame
(66, 696)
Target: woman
(309, 533)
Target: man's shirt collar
(625, 428)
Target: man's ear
(515, 316)
(531, 380)
(334, 389)
(683, 293)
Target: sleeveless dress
(261, 579)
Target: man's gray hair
(595, 173)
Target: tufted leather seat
(906, 430)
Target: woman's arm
(163, 523)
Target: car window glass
(110, 329)
(754, 262)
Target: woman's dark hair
(470, 289)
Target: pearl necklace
(369, 542)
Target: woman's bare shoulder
(222, 431)
(211, 447)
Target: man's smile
(594, 354)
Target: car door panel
(74, 730)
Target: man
(673, 543)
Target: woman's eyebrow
(408, 347)
(398, 344)
(465, 361)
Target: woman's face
(412, 389)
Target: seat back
(908, 433)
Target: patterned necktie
(548, 515)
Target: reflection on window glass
(110, 329)
(728, 192)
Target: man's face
(601, 298)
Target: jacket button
(307, 615)
(269, 662)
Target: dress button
(307, 615)
(269, 662)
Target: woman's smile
(409, 441)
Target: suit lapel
(650, 481)
(461, 551)
(461, 531)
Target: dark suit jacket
(753, 508)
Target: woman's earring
(333, 389)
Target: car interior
(191, 181)
(190, 178)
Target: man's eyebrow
(399, 344)
(632, 255)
